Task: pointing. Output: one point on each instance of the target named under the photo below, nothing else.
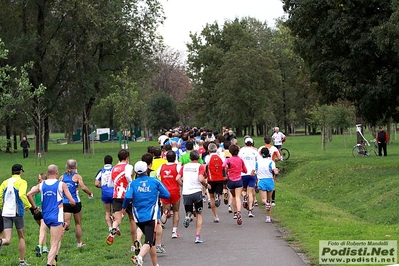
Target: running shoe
(23, 262)
(187, 220)
(137, 247)
(160, 249)
(81, 244)
(268, 219)
(38, 251)
(217, 200)
(256, 204)
(245, 202)
(138, 260)
(118, 232)
(226, 198)
(230, 210)
(45, 249)
(164, 217)
(110, 239)
(235, 215)
(273, 204)
(209, 204)
(250, 214)
(216, 220)
(239, 218)
(198, 240)
(175, 235)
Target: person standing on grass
(167, 174)
(382, 140)
(103, 180)
(73, 180)
(52, 193)
(13, 201)
(25, 147)
(192, 178)
(267, 172)
(144, 192)
(121, 177)
(215, 178)
(234, 166)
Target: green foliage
(328, 117)
(338, 42)
(162, 111)
(16, 89)
(75, 46)
(124, 99)
(247, 64)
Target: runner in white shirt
(266, 171)
(278, 139)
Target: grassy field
(321, 195)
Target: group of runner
(205, 166)
(199, 165)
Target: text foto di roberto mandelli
(357, 251)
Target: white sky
(183, 16)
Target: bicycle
(285, 153)
(360, 149)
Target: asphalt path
(255, 242)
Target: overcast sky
(183, 16)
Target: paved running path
(226, 243)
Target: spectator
(382, 139)
(25, 147)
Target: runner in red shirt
(168, 173)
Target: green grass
(330, 195)
(321, 195)
(94, 226)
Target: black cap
(16, 168)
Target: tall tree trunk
(15, 141)
(8, 136)
(46, 136)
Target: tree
(124, 99)
(16, 91)
(338, 42)
(162, 111)
(75, 46)
(228, 87)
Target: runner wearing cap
(144, 192)
(13, 202)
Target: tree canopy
(342, 44)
